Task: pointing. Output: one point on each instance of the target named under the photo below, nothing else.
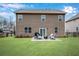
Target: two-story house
(43, 21)
(72, 25)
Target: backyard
(10, 46)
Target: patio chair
(37, 36)
(51, 36)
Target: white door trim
(45, 31)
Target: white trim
(43, 17)
(20, 16)
(61, 17)
(45, 31)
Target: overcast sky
(7, 9)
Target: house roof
(41, 11)
(74, 18)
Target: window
(77, 29)
(43, 18)
(60, 17)
(27, 29)
(20, 17)
(56, 30)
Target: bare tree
(1, 21)
(4, 22)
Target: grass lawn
(10, 46)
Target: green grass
(10, 46)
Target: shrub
(23, 36)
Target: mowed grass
(10, 46)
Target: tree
(1, 21)
(4, 22)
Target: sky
(7, 10)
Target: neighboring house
(1, 22)
(72, 25)
(43, 21)
(5, 26)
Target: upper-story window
(43, 18)
(60, 17)
(20, 18)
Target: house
(72, 25)
(1, 22)
(6, 26)
(44, 22)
